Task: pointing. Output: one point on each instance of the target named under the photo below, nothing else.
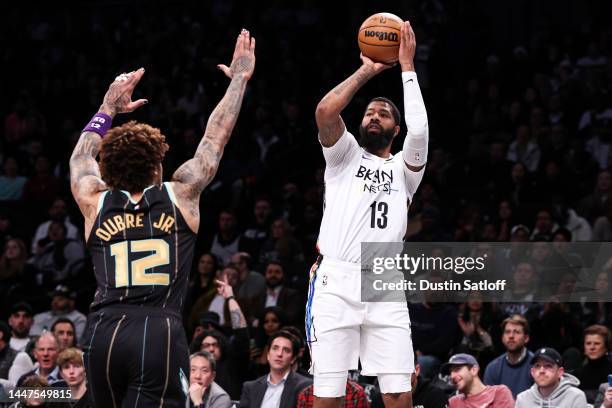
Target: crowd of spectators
(520, 113)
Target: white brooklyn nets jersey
(366, 199)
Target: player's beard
(375, 141)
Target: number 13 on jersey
(122, 252)
(378, 215)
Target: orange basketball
(379, 37)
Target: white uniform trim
(130, 196)
(171, 194)
(101, 201)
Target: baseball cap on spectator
(22, 307)
(458, 360)
(549, 354)
(63, 290)
(211, 318)
(519, 227)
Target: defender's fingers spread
(247, 40)
(137, 104)
(135, 78)
(224, 69)
(238, 41)
(140, 102)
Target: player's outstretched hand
(118, 98)
(243, 60)
(377, 66)
(407, 47)
(224, 289)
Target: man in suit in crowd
(277, 294)
(281, 386)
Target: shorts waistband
(353, 266)
(140, 311)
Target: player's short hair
(130, 155)
(208, 356)
(394, 110)
(601, 330)
(295, 344)
(70, 355)
(517, 320)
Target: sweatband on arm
(414, 150)
(100, 123)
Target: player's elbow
(324, 112)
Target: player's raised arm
(329, 122)
(415, 145)
(193, 176)
(85, 180)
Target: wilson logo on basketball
(382, 35)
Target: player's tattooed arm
(85, 180)
(329, 122)
(195, 174)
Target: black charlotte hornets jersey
(141, 251)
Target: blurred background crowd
(519, 100)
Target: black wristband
(231, 297)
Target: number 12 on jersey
(378, 215)
(121, 251)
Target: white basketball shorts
(341, 329)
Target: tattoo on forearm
(330, 129)
(352, 83)
(83, 160)
(237, 319)
(84, 171)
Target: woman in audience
(202, 287)
(597, 365)
(273, 319)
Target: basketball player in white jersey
(366, 194)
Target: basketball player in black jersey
(141, 233)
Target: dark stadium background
(486, 68)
